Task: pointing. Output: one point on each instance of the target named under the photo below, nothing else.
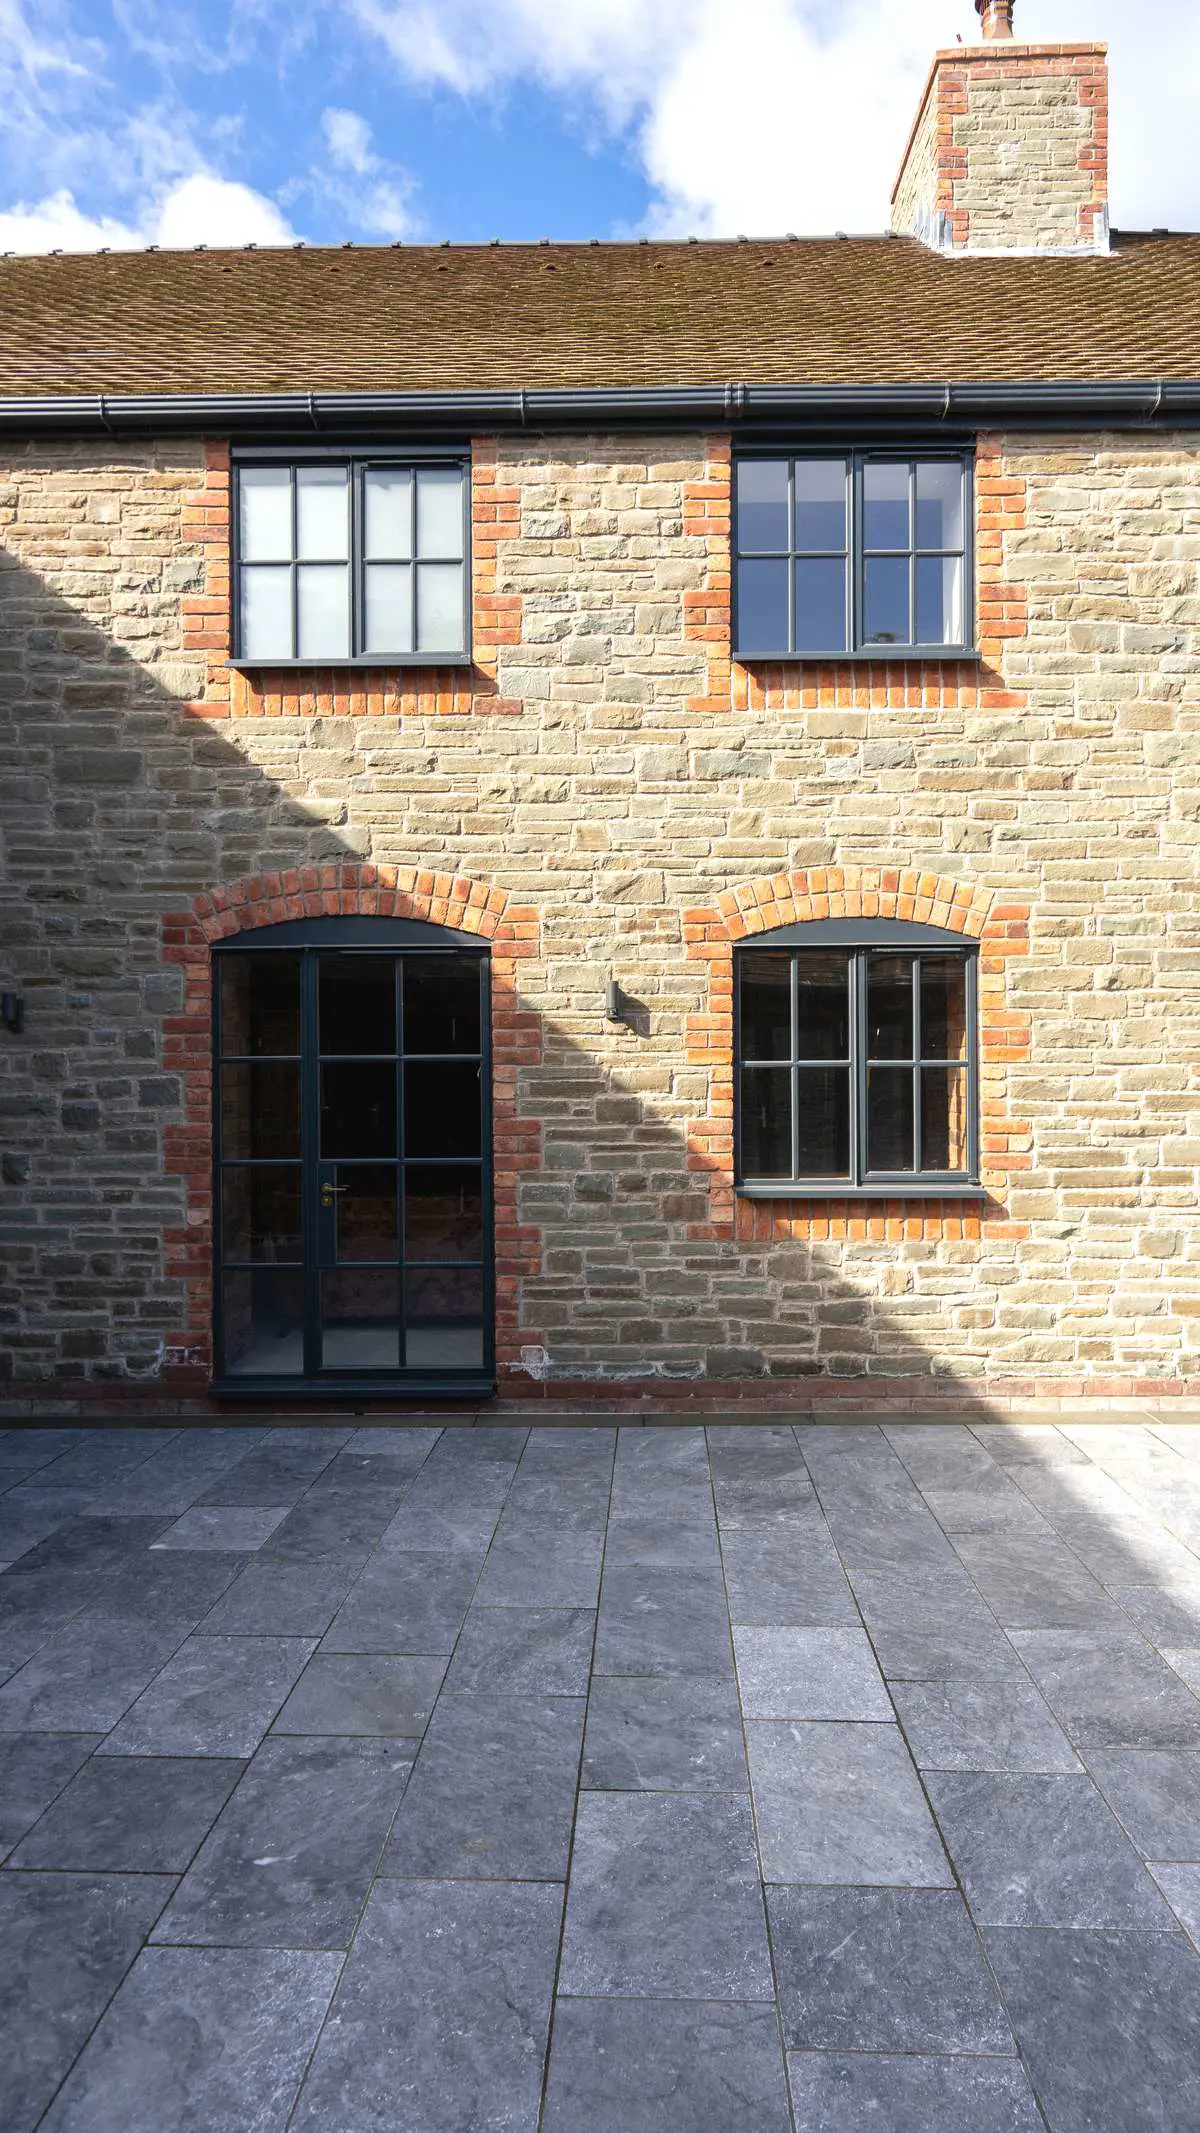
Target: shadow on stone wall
(117, 806)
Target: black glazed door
(354, 1180)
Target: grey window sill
(835, 1189)
(894, 654)
(399, 663)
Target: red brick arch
(333, 891)
(1002, 930)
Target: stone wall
(640, 801)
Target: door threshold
(415, 1388)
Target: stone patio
(844, 1778)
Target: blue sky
(233, 121)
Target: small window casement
(350, 561)
(856, 1062)
(853, 554)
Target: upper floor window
(852, 552)
(856, 1060)
(350, 560)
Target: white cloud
(371, 193)
(200, 209)
(763, 115)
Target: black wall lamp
(615, 1005)
(12, 1012)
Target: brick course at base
(641, 799)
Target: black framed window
(856, 1061)
(852, 553)
(350, 560)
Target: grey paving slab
(910, 2095)
(933, 1626)
(1110, 1689)
(841, 1803)
(131, 1815)
(809, 1673)
(645, 1536)
(882, 1970)
(96, 1544)
(664, 1900)
(412, 1441)
(439, 1529)
(86, 1676)
(1034, 1582)
(1168, 1615)
(493, 1791)
(217, 1696)
(547, 1650)
(236, 1529)
(362, 1692)
(289, 1862)
(405, 1603)
(1041, 1851)
(328, 1527)
(987, 1501)
(283, 1599)
(1107, 2026)
(671, 1733)
(23, 1525)
(1186, 1663)
(275, 1472)
(174, 1477)
(66, 1941)
(1181, 1887)
(640, 2066)
(656, 1619)
(102, 1456)
(171, 1587)
(441, 2018)
(199, 2040)
(981, 1725)
(34, 1768)
(1019, 1444)
(537, 1561)
(1128, 1551)
(1155, 1795)
(785, 1572)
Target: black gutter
(1120, 404)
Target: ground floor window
(856, 1060)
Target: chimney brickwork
(1009, 151)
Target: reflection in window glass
(387, 511)
(763, 607)
(939, 503)
(889, 1007)
(267, 612)
(441, 1004)
(323, 610)
(356, 998)
(890, 1118)
(439, 607)
(823, 1011)
(823, 1122)
(767, 1122)
(885, 504)
(939, 599)
(885, 600)
(821, 604)
(388, 608)
(766, 1006)
(439, 512)
(762, 506)
(265, 514)
(943, 1118)
(820, 487)
(323, 513)
(943, 1007)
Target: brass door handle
(327, 1193)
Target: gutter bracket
(735, 401)
(102, 410)
(946, 404)
(313, 416)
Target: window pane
(443, 1311)
(357, 1003)
(441, 1003)
(820, 503)
(885, 504)
(264, 1324)
(443, 1212)
(439, 607)
(889, 1007)
(824, 1006)
(260, 1112)
(439, 512)
(939, 504)
(823, 1121)
(387, 498)
(360, 1320)
(267, 612)
(943, 1007)
(265, 512)
(389, 608)
(365, 1212)
(442, 1109)
(821, 605)
(886, 586)
(260, 1003)
(943, 1118)
(890, 1118)
(939, 599)
(324, 607)
(767, 1122)
(762, 506)
(766, 1003)
(762, 608)
(323, 513)
(358, 1110)
(260, 1209)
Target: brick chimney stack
(1009, 149)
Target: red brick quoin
(336, 891)
(1002, 930)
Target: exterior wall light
(12, 1012)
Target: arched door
(353, 1159)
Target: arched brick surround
(334, 891)
(710, 935)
